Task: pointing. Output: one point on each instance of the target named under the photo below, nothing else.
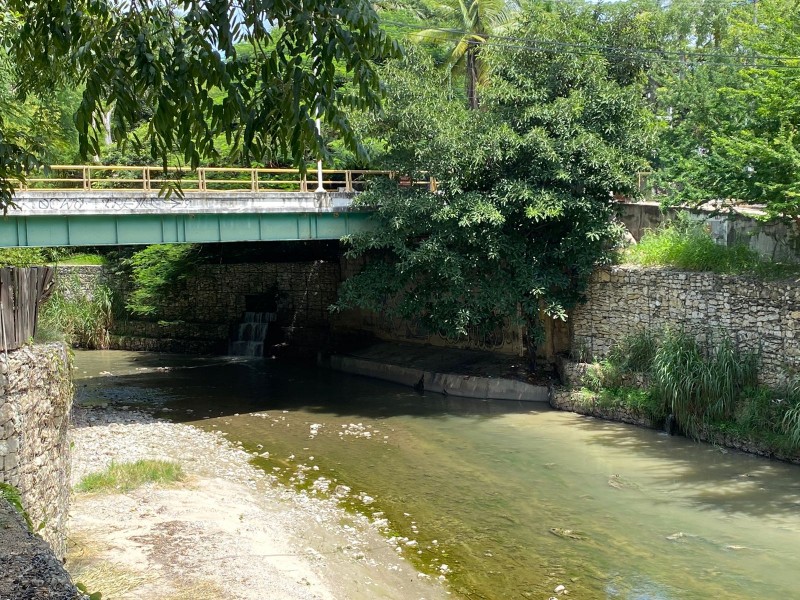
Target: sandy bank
(230, 531)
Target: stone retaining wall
(757, 314)
(35, 404)
(199, 316)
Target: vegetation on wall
(155, 272)
(710, 389)
(686, 243)
(71, 316)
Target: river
(507, 499)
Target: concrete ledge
(467, 386)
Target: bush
(155, 273)
(686, 244)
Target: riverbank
(229, 531)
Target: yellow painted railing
(205, 179)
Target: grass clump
(79, 320)
(700, 385)
(709, 389)
(83, 258)
(124, 477)
(687, 244)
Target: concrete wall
(35, 403)
(758, 314)
(774, 240)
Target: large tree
(521, 219)
(175, 55)
(733, 116)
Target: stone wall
(757, 314)
(200, 315)
(79, 279)
(35, 403)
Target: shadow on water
(224, 386)
(711, 478)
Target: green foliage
(92, 596)
(21, 257)
(83, 258)
(177, 76)
(78, 320)
(733, 119)
(522, 213)
(699, 386)
(11, 495)
(155, 273)
(686, 244)
(124, 477)
(635, 353)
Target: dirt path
(229, 531)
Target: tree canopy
(524, 209)
(181, 65)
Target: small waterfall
(251, 334)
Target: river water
(514, 498)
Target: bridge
(93, 205)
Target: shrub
(155, 272)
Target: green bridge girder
(95, 219)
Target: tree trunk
(472, 78)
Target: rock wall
(80, 279)
(200, 315)
(35, 403)
(758, 314)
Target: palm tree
(474, 23)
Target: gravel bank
(230, 531)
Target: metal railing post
(87, 180)
(348, 181)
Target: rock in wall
(763, 315)
(35, 403)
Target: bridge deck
(121, 217)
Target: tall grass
(687, 244)
(697, 385)
(78, 320)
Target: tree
(733, 130)
(473, 22)
(174, 54)
(518, 222)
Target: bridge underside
(129, 229)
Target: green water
(514, 498)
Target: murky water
(514, 498)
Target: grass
(687, 245)
(83, 258)
(124, 477)
(709, 388)
(70, 316)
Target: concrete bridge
(79, 205)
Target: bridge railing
(205, 179)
